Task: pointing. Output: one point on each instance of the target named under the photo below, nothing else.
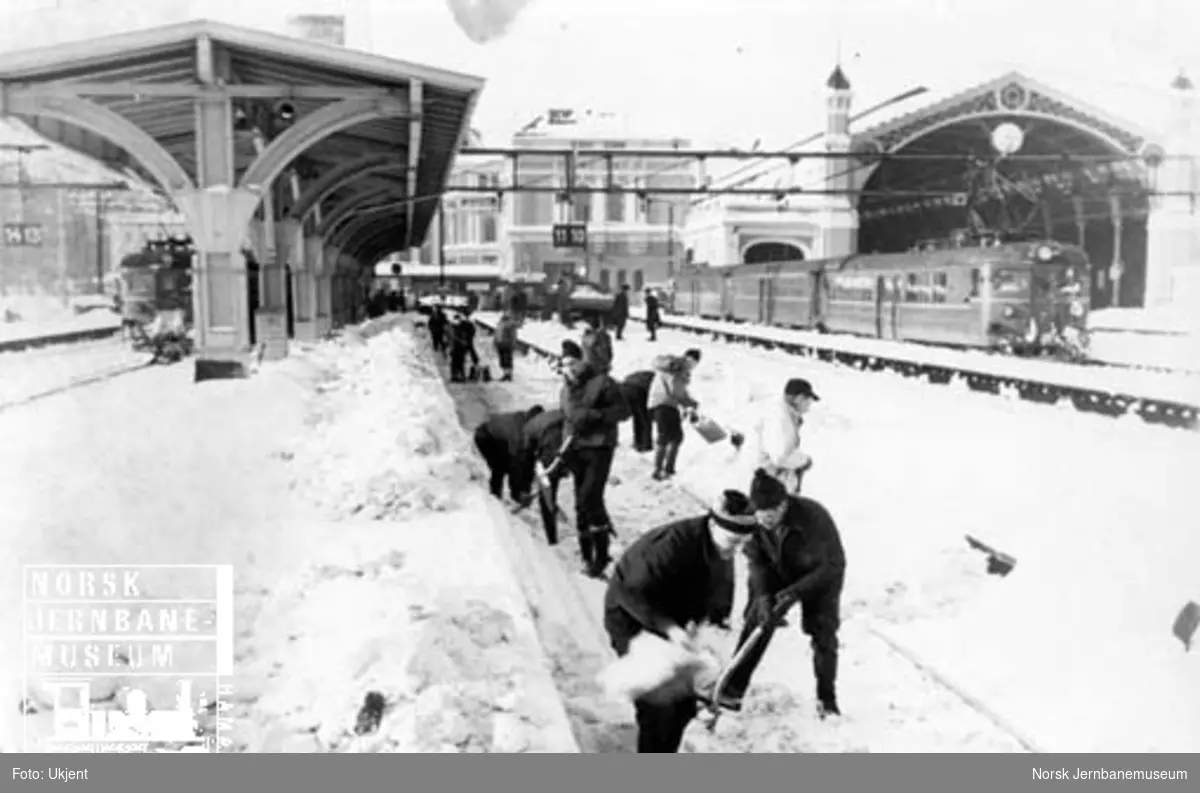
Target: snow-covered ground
(30, 373)
(346, 496)
(889, 705)
(1095, 510)
(55, 323)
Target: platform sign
(23, 235)
(570, 235)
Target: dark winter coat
(506, 333)
(597, 349)
(668, 576)
(640, 381)
(508, 429)
(804, 554)
(652, 315)
(462, 333)
(593, 405)
(620, 307)
(541, 441)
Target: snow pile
(657, 670)
(399, 628)
(381, 445)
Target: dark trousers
(458, 356)
(635, 396)
(505, 354)
(652, 327)
(819, 620)
(619, 327)
(660, 726)
(589, 468)
(495, 454)
(437, 338)
(668, 426)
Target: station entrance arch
(1099, 200)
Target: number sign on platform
(23, 235)
(570, 235)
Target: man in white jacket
(773, 441)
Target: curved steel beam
(348, 206)
(312, 129)
(416, 98)
(337, 178)
(361, 223)
(108, 124)
(365, 245)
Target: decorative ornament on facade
(1013, 97)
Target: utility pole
(441, 243)
(100, 242)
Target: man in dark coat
(620, 310)
(593, 405)
(499, 440)
(437, 329)
(462, 348)
(797, 558)
(636, 388)
(542, 442)
(653, 320)
(662, 583)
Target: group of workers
(680, 574)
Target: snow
(1181, 387)
(890, 706)
(1095, 510)
(326, 480)
(29, 373)
(55, 324)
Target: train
(156, 278)
(1028, 297)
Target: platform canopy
(1111, 160)
(371, 140)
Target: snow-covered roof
(573, 124)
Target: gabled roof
(1015, 93)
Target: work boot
(660, 456)
(587, 548)
(600, 556)
(672, 456)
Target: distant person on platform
(563, 299)
(499, 440)
(462, 348)
(653, 319)
(636, 388)
(773, 442)
(662, 584)
(597, 345)
(594, 407)
(437, 329)
(667, 400)
(620, 310)
(797, 557)
(506, 344)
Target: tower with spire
(839, 220)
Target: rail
(1171, 399)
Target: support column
(217, 214)
(294, 250)
(1117, 268)
(270, 320)
(322, 285)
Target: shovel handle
(751, 641)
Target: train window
(940, 287)
(637, 280)
(1010, 282)
(856, 288)
(976, 282)
(912, 289)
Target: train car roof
(1016, 254)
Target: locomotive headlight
(1076, 309)
(1044, 253)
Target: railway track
(48, 371)
(1158, 399)
(903, 653)
(22, 343)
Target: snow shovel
(714, 707)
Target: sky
(728, 72)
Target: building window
(489, 227)
(534, 209)
(638, 283)
(491, 260)
(581, 207)
(620, 278)
(615, 207)
(604, 279)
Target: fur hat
(571, 350)
(731, 511)
(766, 492)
